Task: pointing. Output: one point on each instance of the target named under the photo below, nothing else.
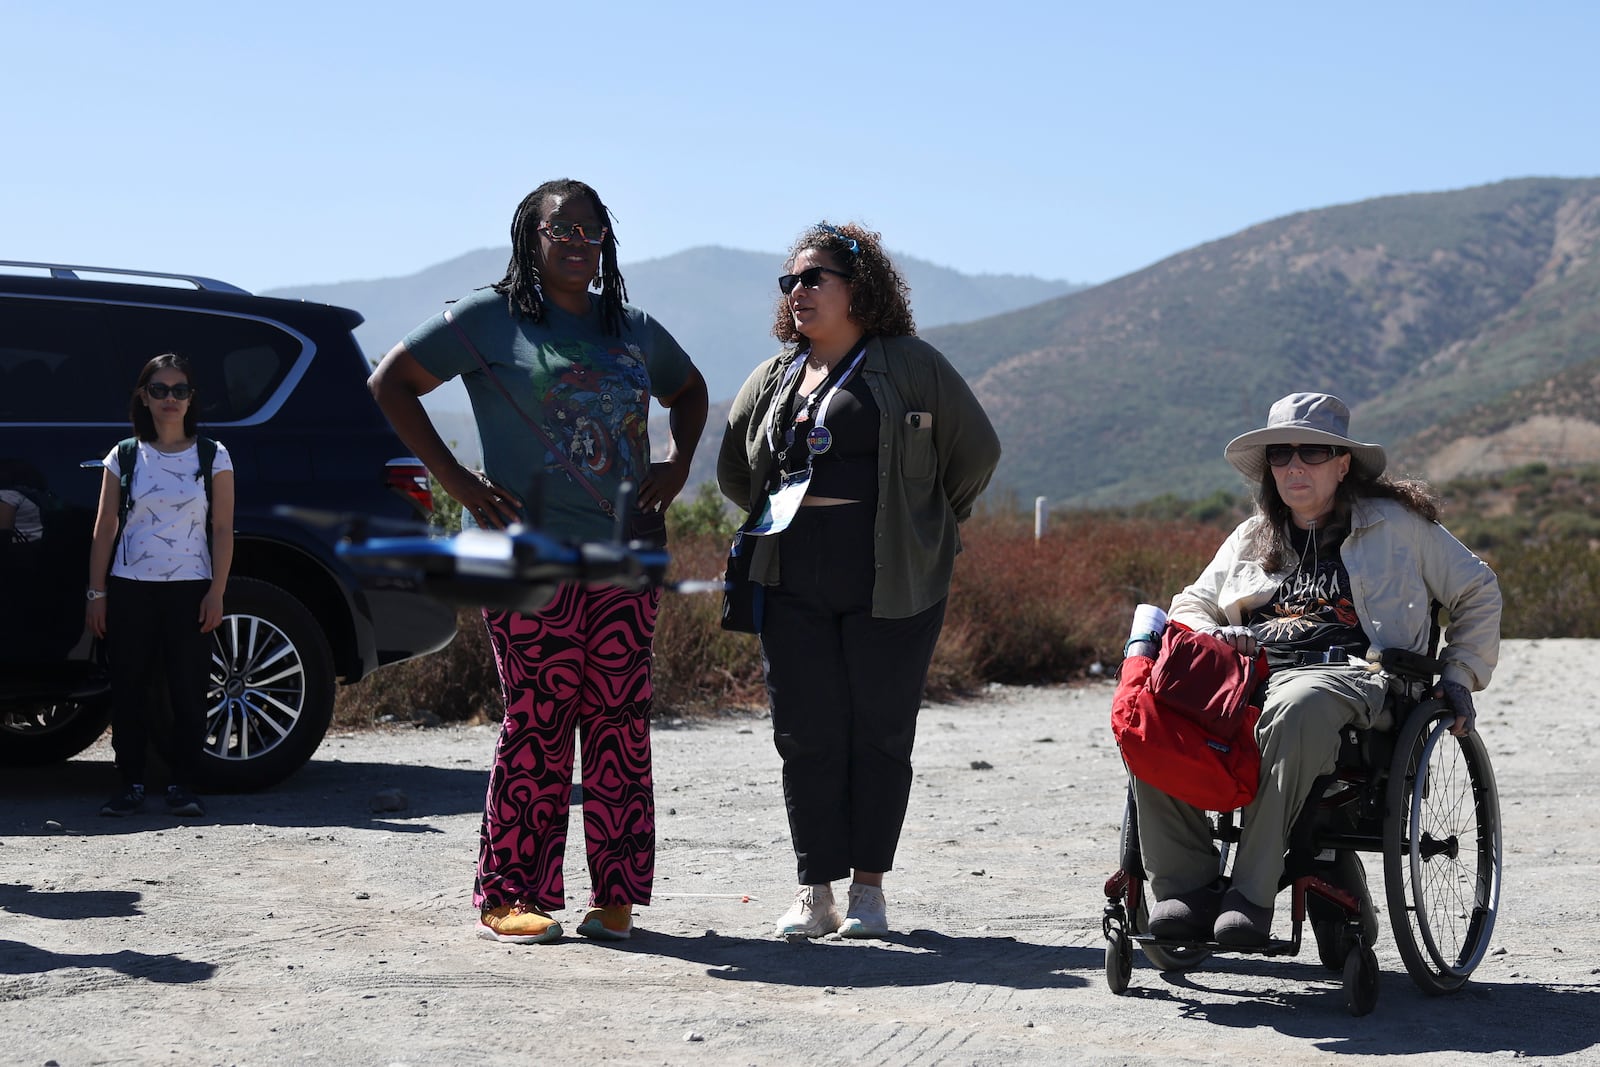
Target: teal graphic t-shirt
(589, 391)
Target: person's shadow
(1483, 1018)
(19, 958)
(326, 792)
(915, 958)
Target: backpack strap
(127, 458)
(208, 454)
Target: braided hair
(521, 287)
(880, 300)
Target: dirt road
(301, 926)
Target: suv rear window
(69, 361)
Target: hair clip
(850, 242)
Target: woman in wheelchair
(1337, 561)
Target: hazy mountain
(718, 302)
(1463, 327)
(1419, 310)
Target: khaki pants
(1304, 710)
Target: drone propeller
(352, 524)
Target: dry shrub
(698, 665)
(457, 683)
(1026, 611)
(1549, 590)
(1020, 611)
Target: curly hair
(880, 300)
(521, 287)
(144, 424)
(1269, 541)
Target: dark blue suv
(282, 385)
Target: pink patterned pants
(578, 666)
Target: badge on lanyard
(819, 440)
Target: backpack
(128, 457)
(1185, 721)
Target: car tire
(49, 731)
(270, 697)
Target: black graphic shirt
(1312, 610)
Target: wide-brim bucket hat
(1304, 419)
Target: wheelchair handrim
(1485, 901)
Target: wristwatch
(96, 594)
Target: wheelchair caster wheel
(1335, 942)
(1361, 980)
(1119, 960)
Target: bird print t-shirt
(165, 536)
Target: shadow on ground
(323, 793)
(1484, 1018)
(917, 958)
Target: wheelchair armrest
(1409, 665)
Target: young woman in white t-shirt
(155, 591)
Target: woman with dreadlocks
(560, 378)
(861, 449)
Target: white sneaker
(812, 914)
(866, 915)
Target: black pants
(845, 688)
(153, 636)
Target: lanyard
(818, 439)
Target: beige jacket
(1398, 563)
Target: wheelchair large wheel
(1441, 850)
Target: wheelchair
(1407, 789)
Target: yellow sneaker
(614, 923)
(517, 924)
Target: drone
(519, 568)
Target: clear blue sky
(289, 142)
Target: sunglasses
(574, 231)
(1310, 455)
(810, 278)
(161, 390)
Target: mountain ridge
(1462, 327)
(1414, 309)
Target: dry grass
(1020, 612)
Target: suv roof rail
(65, 270)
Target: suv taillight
(409, 477)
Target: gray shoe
(813, 913)
(1187, 916)
(866, 915)
(1243, 924)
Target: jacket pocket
(918, 458)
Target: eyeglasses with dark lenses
(810, 278)
(1310, 455)
(574, 231)
(161, 390)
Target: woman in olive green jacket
(863, 449)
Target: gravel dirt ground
(300, 925)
